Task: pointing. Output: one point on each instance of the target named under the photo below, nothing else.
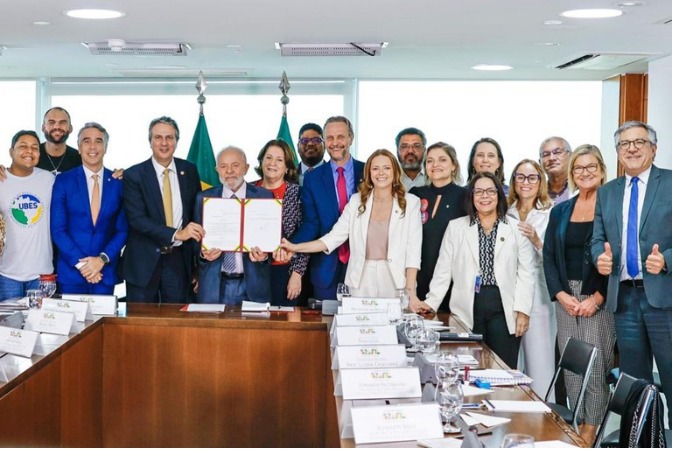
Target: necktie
(343, 250)
(95, 199)
(167, 199)
(632, 228)
(229, 259)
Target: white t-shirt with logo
(25, 204)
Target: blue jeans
(644, 332)
(9, 288)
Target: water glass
(517, 440)
(446, 368)
(429, 341)
(414, 324)
(34, 298)
(47, 284)
(342, 291)
(404, 298)
(449, 396)
(394, 313)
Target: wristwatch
(104, 257)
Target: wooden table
(155, 376)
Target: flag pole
(284, 87)
(201, 88)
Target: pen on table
(488, 402)
(472, 405)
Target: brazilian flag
(284, 133)
(201, 155)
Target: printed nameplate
(389, 356)
(380, 383)
(100, 304)
(362, 319)
(82, 310)
(366, 335)
(17, 341)
(381, 424)
(51, 322)
(367, 305)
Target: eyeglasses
(314, 140)
(624, 145)
(591, 168)
(521, 177)
(416, 146)
(553, 152)
(481, 192)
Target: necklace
(55, 167)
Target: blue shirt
(348, 174)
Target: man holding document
(226, 275)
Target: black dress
(451, 206)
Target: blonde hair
(542, 197)
(366, 186)
(451, 152)
(582, 150)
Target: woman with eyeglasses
(491, 264)
(530, 205)
(486, 156)
(441, 201)
(574, 282)
(279, 175)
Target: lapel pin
(502, 239)
(182, 173)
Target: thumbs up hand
(655, 262)
(605, 260)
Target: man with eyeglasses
(632, 245)
(411, 145)
(554, 155)
(311, 148)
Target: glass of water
(342, 291)
(429, 341)
(447, 367)
(414, 325)
(449, 396)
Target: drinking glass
(414, 324)
(34, 298)
(404, 298)
(47, 284)
(428, 341)
(447, 368)
(342, 291)
(449, 396)
(394, 313)
(517, 440)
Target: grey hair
(167, 121)
(340, 119)
(94, 125)
(232, 148)
(652, 135)
(565, 144)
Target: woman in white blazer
(491, 264)
(530, 205)
(383, 226)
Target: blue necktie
(229, 259)
(632, 228)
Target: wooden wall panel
(633, 102)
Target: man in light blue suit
(232, 277)
(325, 193)
(88, 222)
(632, 244)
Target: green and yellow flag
(284, 133)
(201, 155)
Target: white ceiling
(429, 39)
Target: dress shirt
(303, 168)
(419, 181)
(90, 182)
(240, 194)
(175, 190)
(348, 174)
(563, 195)
(643, 182)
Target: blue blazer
(145, 212)
(74, 232)
(655, 226)
(257, 275)
(320, 212)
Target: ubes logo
(16, 334)
(362, 318)
(27, 209)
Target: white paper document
(486, 420)
(239, 225)
(212, 308)
(517, 406)
(365, 335)
(395, 423)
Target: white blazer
(459, 261)
(404, 238)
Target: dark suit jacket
(655, 226)
(148, 232)
(74, 232)
(257, 275)
(554, 258)
(320, 212)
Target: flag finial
(284, 87)
(201, 88)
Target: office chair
(578, 357)
(616, 404)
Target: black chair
(578, 357)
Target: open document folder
(241, 224)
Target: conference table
(156, 376)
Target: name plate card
(51, 322)
(362, 319)
(82, 310)
(378, 383)
(17, 341)
(382, 424)
(366, 305)
(366, 335)
(100, 304)
(349, 357)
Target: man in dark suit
(159, 199)
(232, 277)
(325, 193)
(88, 222)
(632, 244)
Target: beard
(416, 165)
(51, 139)
(311, 161)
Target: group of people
(551, 255)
